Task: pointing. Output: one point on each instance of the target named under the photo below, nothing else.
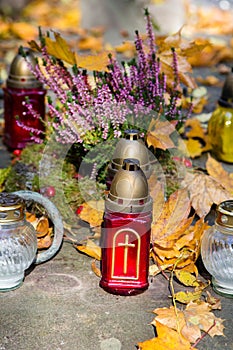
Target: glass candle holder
(217, 249)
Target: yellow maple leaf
(186, 278)
(90, 248)
(176, 242)
(187, 297)
(96, 62)
(167, 339)
(175, 211)
(158, 134)
(92, 212)
(60, 49)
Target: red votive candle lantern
(22, 84)
(125, 238)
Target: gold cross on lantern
(126, 246)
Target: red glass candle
(126, 232)
(22, 84)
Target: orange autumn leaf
(158, 134)
(90, 43)
(127, 48)
(92, 212)
(54, 14)
(167, 339)
(197, 139)
(45, 242)
(194, 128)
(216, 171)
(42, 227)
(24, 30)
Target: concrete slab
(60, 306)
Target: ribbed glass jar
(18, 246)
(217, 250)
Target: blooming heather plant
(125, 94)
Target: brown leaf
(214, 303)
(200, 314)
(196, 317)
(158, 134)
(204, 191)
(216, 170)
(95, 269)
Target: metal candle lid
(11, 208)
(129, 190)
(20, 76)
(130, 147)
(225, 214)
(226, 99)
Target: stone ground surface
(60, 305)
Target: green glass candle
(220, 126)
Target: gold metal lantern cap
(226, 99)
(131, 146)
(20, 75)
(224, 212)
(11, 208)
(129, 189)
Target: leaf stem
(204, 334)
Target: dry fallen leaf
(197, 138)
(90, 248)
(176, 242)
(92, 212)
(204, 191)
(158, 134)
(196, 317)
(167, 339)
(216, 171)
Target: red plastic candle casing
(21, 85)
(125, 239)
(16, 137)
